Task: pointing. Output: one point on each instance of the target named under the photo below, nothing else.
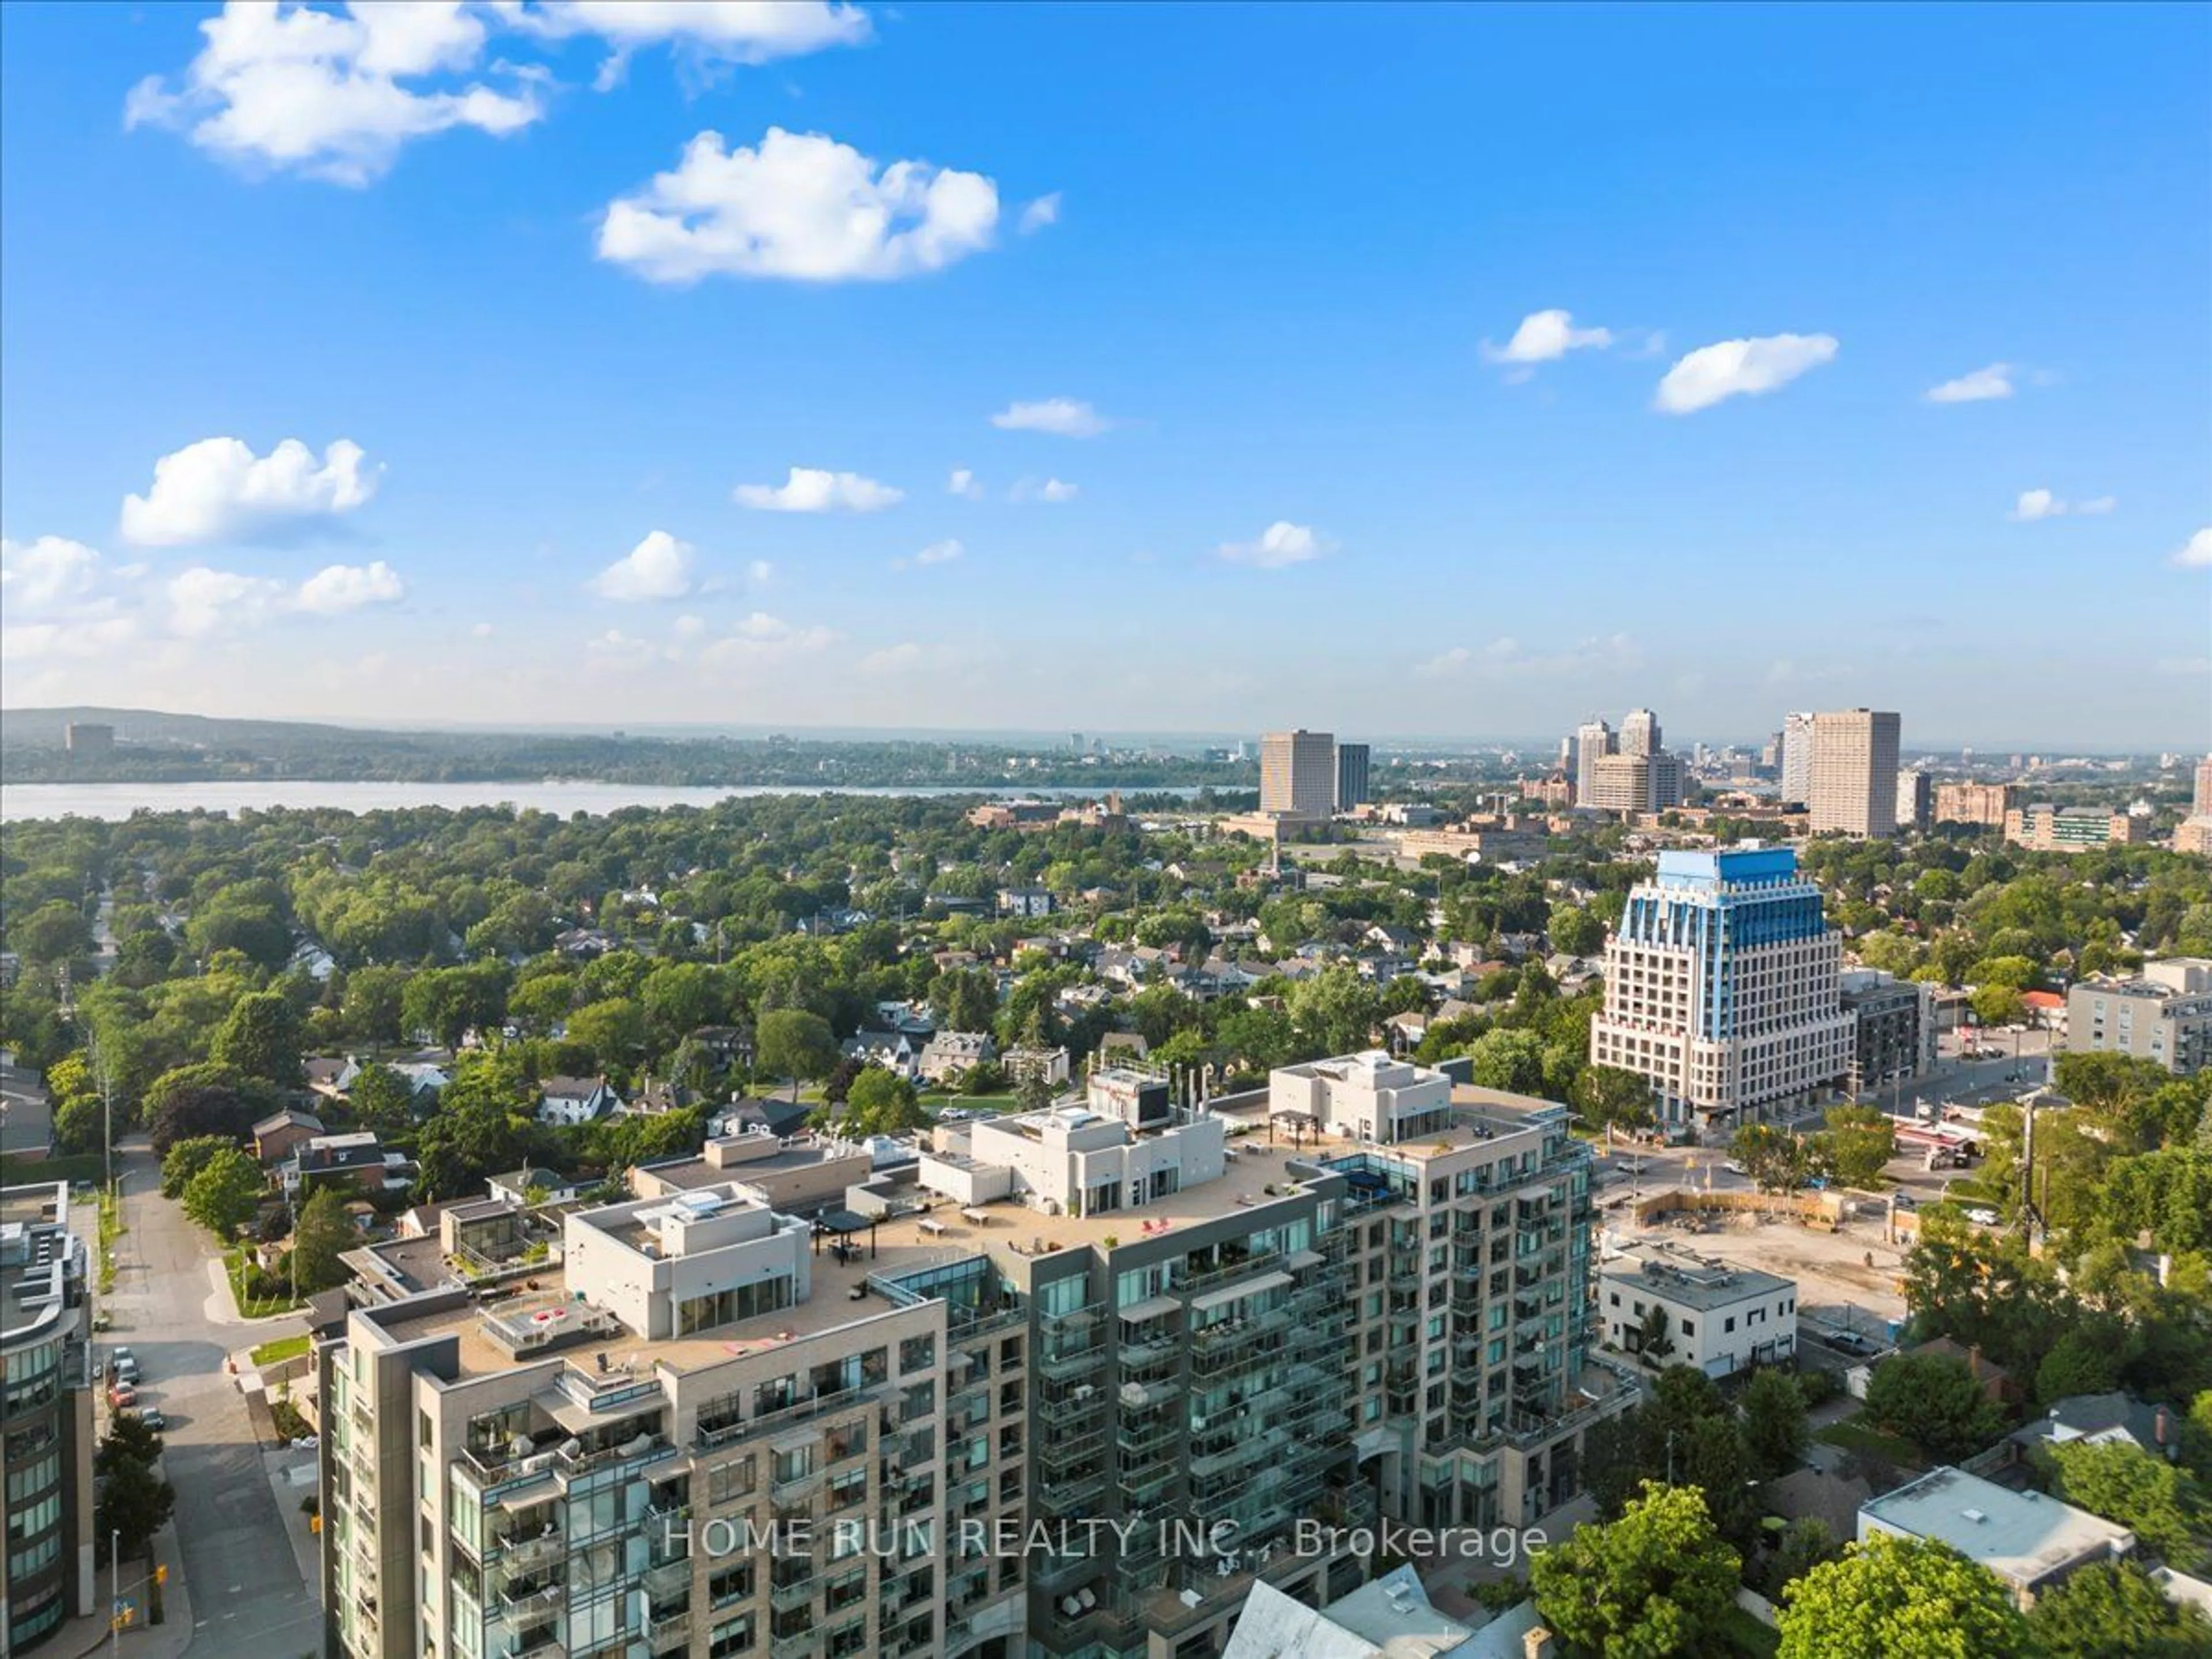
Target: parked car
(1850, 1342)
(1905, 1201)
(1981, 1218)
(152, 1418)
(122, 1397)
(122, 1366)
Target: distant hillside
(152, 747)
(42, 728)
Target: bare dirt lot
(1837, 1289)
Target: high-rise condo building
(46, 1570)
(1297, 775)
(1916, 799)
(1064, 1384)
(1796, 761)
(1721, 988)
(1352, 786)
(2201, 799)
(1852, 790)
(1636, 783)
(1639, 732)
(1973, 803)
(1594, 741)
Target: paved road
(248, 1600)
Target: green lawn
(110, 1228)
(1746, 1635)
(1854, 1435)
(283, 1348)
(233, 1261)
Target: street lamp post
(115, 1602)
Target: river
(117, 801)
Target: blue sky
(1259, 273)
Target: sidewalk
(282, 1466)
(87, 1638)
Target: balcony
(523, 1552)
(795, 1488)
(669, 1578)
(1071, 1362)
(668, 1630)
(1062, 1496)
(798, 1592)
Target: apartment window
(717, 1308)
(731, 1584)
(918, 1354)
(1689, 1327)
(1730, 1325)
(736, 1635)
(726, 1481)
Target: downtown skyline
(828, 366)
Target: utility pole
(115, 1602)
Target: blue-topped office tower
(1722, 986)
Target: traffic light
(161, 1572)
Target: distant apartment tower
(87, 741)
(1916, 799)
(1636, 783)
(1722, 986)
(1639, 732)
(1894, 1040)
(1352, 785)
(1796, 760)
(1297, 775)
(1594, 741)
(2163, 1014)
(46, 1571)
(1853, 787)
(1985, 804)
(2200, 805)
(2047, 829)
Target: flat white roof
(2023, 1537)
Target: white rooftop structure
(2028, 1539)
(1390, 1618)
(1370, 1096)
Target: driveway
(248, 1599)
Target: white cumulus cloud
(761, 638)
(800, 206)
(658, 568)
(1045, 211)
(49, 571)
(1977, 387)
(964, 483)
(811, 490)
(2035, 504)
(1052, 491)
(1734, 368)
(204, 601)
(218, 490)
(1068, 418)
(338, 588)
(759, 573)
(891, 659)
(1546, 336)
(710, 31)
(334, 95)
(1280, 544)
(2196, 553)
(942, 552)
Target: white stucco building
(1720, 1319)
